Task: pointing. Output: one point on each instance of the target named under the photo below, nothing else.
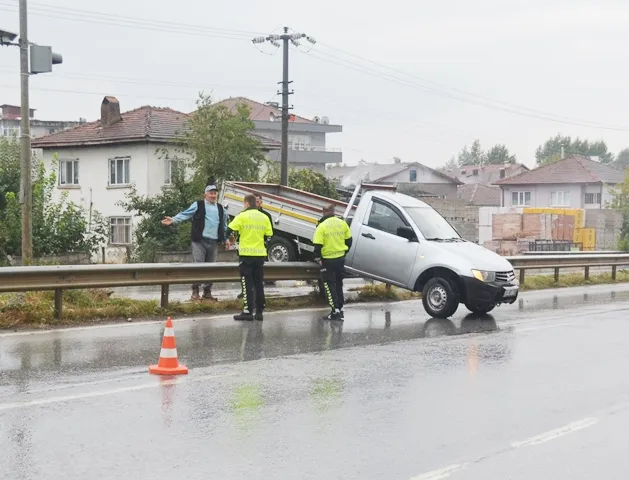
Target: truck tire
(440, 297)
(480, 309)
(280, 250)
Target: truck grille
(505, 277)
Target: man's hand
(227, 244)
(167, 221)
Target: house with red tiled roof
(307, 138)
(99, 162)
(573, 182)
(10, 123)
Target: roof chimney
(109, 111)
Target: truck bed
(295, 212)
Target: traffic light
(43, 58)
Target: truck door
(379, 251)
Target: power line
(134, 22)
(142, 81)
(392, 78)
(232, 34)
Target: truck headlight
(484, 276)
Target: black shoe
(334, 316)
(259, 316)
(244, 317)
(240, 295)
(342, 314)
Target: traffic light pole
(26, 194)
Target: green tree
(304, 179)
(217, 143)
(621, 202)
(151, 236)
(472, 156)
(58, 226)
(550, 151)
(622, 159)
(9, 168)
(499, 154)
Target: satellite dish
(325, 120)
(316, 119)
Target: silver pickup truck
(398, 240)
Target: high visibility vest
(331, 234)
(252, 226)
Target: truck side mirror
(407, 232)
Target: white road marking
(542, 327)
(102, 393)
(439, 474)
(558, 432)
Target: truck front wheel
(280, 250)
(440, 297)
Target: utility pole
(274, 40)
(42, 58)
(26, 194)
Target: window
(171, 169)
(69, 172)
(119, 171)
(431, 223)
(120, 230)
(383, 217)
(413, 175)
(299, 142)
(592, 198)
(10, 131)
(520, 199)
(560, 199)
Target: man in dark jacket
(209, 224)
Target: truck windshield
(432, 225)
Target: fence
(65, 277)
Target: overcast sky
(437, 67)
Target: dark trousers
(252, 279)
(332, 270)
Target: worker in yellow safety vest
(332, 240)
(253, 228)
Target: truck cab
(403, 241)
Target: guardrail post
(58, 303)
(557, 275)
(522, 276)
(587, 273)
(614, 272)
(164, 296)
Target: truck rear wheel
(280, 250)
(440, 297)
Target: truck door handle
(369, 236)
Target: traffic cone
(168, 363)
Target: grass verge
(85, 307)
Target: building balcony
(300, 156)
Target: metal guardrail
(66, 277)
(576, 252)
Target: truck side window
(383, 217)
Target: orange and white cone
(168, 363)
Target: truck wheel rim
(437, 297)
(279, 254)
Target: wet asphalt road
(539, 390)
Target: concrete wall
(64, 259)
(185, 257)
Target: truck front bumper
(490, 293)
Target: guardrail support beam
(557, 275)
(164, 296)
(58, 303)
(522, 270)
(614, 272)
(587, 273)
